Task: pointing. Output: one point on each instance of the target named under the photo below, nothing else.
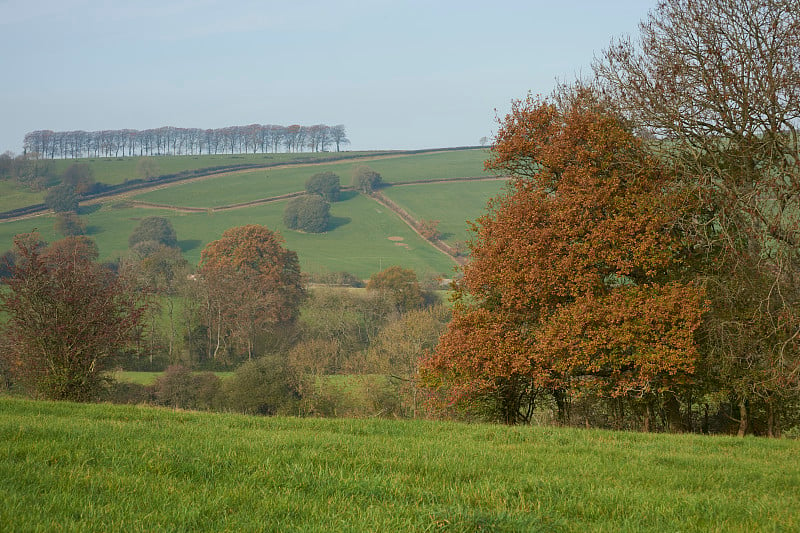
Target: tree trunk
(672, 408)
(742, 418)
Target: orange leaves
(573, 271)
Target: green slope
(70, 467)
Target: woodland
(641, 271)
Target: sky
(398, 74)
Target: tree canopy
(155, 229)
(572, 283)
(251, 282)
(325, 184)
(309, 213)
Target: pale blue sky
(397, 74)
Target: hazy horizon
(398, 75)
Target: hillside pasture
(116, 170)
(107, 468)
(13, 196)
(452, 204)
(243, 187)
(357, 242)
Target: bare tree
(718, 82)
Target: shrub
(365, 179)
(325, 184)
(157, 229)
(260, 387)
(309, 213)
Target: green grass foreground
(120, 468)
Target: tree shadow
(346, 195)
(445, 236)
(89, 209)
(338, 222)
(93, 230)
(188, 244)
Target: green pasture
(13, 196)
(72, 467)
(115, 170)
(358, 241)
(264, 183)
(452, 204)
(148, 378)
(432, 166)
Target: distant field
(358, 243)
(13, 196)
(148, 378)
(452, 204)
(243, 187)
(99, 468)
(115, 170)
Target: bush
(180, 388)
(260, 387)
(309, 213)
(325, 184)
(365, 179)
(157, 229)
(62, 198)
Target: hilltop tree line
(168, 140)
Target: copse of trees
(168, 140)
(309, 213)
(325, 184)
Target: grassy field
(115, 170)
(148, 378)
(358, 242)
(243, 187)
(70, 467)
(466, 201)
(12, 196)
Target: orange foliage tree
(575, 279)
(251, 284)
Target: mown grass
(72, 467)
(452, 204)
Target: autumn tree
(67, 317)
(574, 284)
(401, 285)
(252, 284)
(325, 184)
(69, 224)
(309, 213)
(719, 82)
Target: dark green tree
(365, 179)
(62, 198)
(325, 184)
(157, 229)
(309, 213)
